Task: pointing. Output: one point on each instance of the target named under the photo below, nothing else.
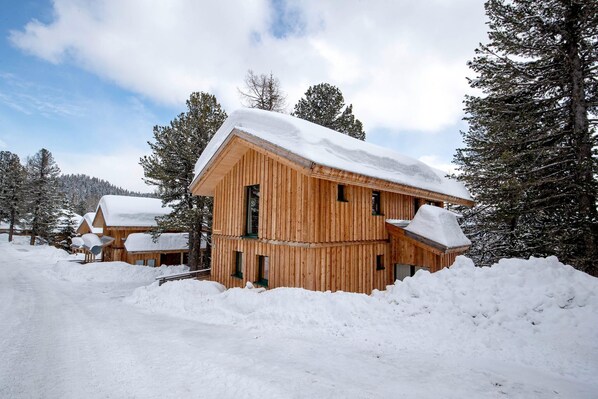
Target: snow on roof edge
(304, 139)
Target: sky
(88, 79)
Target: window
(379, 262)
(252, 210)
(340, 193)
(139, 262)
(151, 262)
(376, 203)
(402, 271)
(263, 270)
(238, 266)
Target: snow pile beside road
(513, 293)
(536, 312)
(107, 272)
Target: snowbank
(108, 272)
(536, 311)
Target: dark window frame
(238, 265)
(377, 203)
(341, 193)
(380, 262)
(261, 261)
(251, 221)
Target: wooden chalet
(299, 205)
(120, 216)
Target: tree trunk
(583, 144)
(11, 228)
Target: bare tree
(263, 91)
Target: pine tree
(528, 156)
(67, 226)
(323, 104)
(171, 167)
(43, 197)
(263, 92)
(12, 185)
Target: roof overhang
(239, 142)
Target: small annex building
(300, 205)
(121, 216)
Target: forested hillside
(84, 192)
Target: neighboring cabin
(122, 218)
(299, 205)
(86, 225)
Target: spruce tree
(67, 226)
(263, 91)
(12, 185)
(324, 104)
(43, 196)
(171, 168)
(528, 157)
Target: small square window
(379, 262)
(139, 262)
(340, 193)
(151, 262)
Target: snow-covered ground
(521, 329)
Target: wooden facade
(311, 237)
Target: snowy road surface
(64, 339)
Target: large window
(238, 266)
(252, 210)
(263, 270)
(376, 210)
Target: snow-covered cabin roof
(437, 225)
(88, 219)
(124, 211)
(77, 242)
(143, 242)
(326, 147)
(91, 240)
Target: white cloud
(120, 168)
(402, 63)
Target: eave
(239, 142)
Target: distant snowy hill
(84, 192)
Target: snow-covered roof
(327, 147)
(77, 242)
(88, 218)
(124, 211)
(91, 240)
(143, 242)
(438, 225)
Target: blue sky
(88, 80)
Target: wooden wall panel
(295, 207)
(350, 267)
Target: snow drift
(538, 312)
(107, 272)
